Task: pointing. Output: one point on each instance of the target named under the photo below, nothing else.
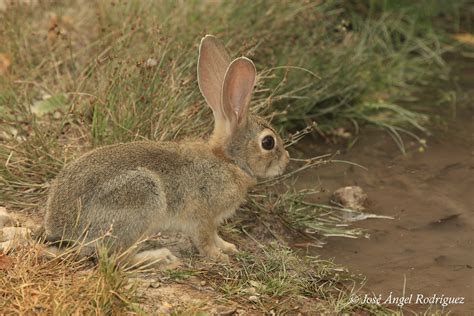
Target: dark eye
(268, 142)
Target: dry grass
(30, 283)
(276, 278)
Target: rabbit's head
(246, 139)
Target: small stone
(15, 232)
(155, 284)
(203, 283)
(13, 235)
(352, 197)
(253, 298)
(151, 62)
(5, 219)
(341, 132)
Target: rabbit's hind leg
(127, 208)
(156, 258)
(78, 251)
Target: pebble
(352, 197)
(12, 236)
(151, 62)
(5, 219)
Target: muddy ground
(428, 248)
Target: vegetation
(33, 284)
(75, 76)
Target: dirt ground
(428, 247)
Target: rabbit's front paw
(220, 257)
(216, 254)
(226, 247)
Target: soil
(428, 247)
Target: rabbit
(129, 191)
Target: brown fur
(122, 193)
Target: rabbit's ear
(212, 66)
(237, 91)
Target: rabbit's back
(141, 187)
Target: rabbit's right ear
(237, 91)
(212, 66)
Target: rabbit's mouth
(277, 167)
(275, 171)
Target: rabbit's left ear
(237, 90)
(213, 63)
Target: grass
(271, 278)
(83, 76)
(277, 273)
(278, 278)
(33, 284)
(80, 76)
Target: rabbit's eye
(268, 142)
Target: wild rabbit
(123, 193)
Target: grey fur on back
(144, 181)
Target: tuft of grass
(324, 220)
(282, 281)
(33, 284)
(179, 274)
